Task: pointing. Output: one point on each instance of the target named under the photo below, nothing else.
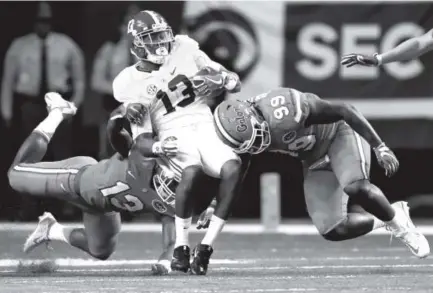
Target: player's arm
(408, 50)
(325, 112)
(232, 82)
(119, 137)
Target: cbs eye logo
(227, 37)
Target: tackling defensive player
(173, 79)
(325, 136)
(100, 189)
(407, 50)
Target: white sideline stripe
(289, 229)
(110, 266)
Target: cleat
(40, 235)
(161, 268)
(55, 101)
(180, 260)
(408, 233)
(202, 254)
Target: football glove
(135, 113)
(167, 147)
(204, 218)
(387, 159)
(359, 59)
(207, 81)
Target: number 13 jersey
(167, 92)
(285, 110)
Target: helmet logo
(131, 29)
(289, 137)
(159, 26)
(240, 119)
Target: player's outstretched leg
(98, 238)
(35, 146)
(183, 218)
(231, 178)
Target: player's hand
(135, 113)
(207, 81)
(359, 59)
(204, 218)
(167, 147)
(387, 159)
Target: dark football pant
(348, 160)
(60, 180)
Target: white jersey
(177, 106)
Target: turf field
(295, 259)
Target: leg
(227, 166)
(350, 160)
(327, 205)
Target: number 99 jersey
(285, 110)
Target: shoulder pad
(124, 83)
(184, 40)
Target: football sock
(59, 232)
(215, 227)
(49, 125)
(182, 231)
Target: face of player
(154, 46)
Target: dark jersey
(286, 109)
(118, 184)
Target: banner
(275, 44)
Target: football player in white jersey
(173, 79)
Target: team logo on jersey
(289, 137)
(158, 206)
(152, 89)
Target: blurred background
(269, 44)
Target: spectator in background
(110, 59)
(36, 63)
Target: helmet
(241, 126)
(165, 184)
(152, 38)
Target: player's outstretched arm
(408, 50)
(232, 82)
(324, 112)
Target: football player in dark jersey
(100, 189)
(333, 142)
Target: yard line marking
(289, 229)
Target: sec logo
(158, 206)
(152, 89)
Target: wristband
(157, 148)
(382, 144)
